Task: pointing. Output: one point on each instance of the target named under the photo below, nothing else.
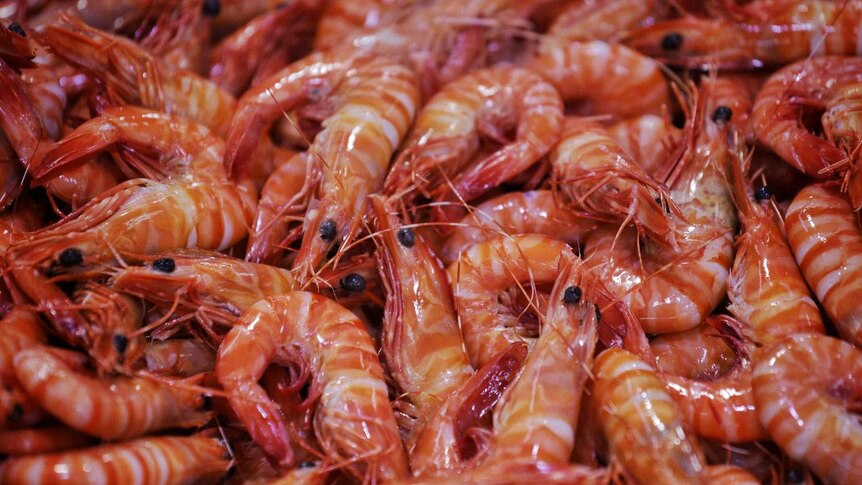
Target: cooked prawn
(537, 417)
(445, 140)
(146, 461)
(796, 91)
(377, 99)
(811, 414)
(35, 441)
(354, 422)
(826, 240)
(765, 288)
(421, 340)
(115, 408)
(642, 423)
(763, 33)
(534, 212)
(699, 353)
(601, 78)
(604, 20)
(595, 176)
(647, 139)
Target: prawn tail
(71, 152)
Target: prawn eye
(793, 475)
(16, 27)
(307, 464)
(598, 313)
(406, 237)
(164, 265)
(353, 283)
(328, 230)
(16, 413)
(722, 114)
(71, 257)
(211, 8)
(120, 343)
(762, 193)
(671, 41)
(572, 295)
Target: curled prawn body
(644, 433)
(533, 212)
(194, 205)
(376, 100)
(537, 417)
(603, 20)
(444, 143)
(146, 461)
(810, 414)
(138, 77)
(595, 176)
(600, 78)
(827, 244)
(421, 339)
(763, 33)
(19, 329)
(110, 409)
(791, 93)
(647, 139)
(485, 271)
(353, 418)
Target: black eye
(671, 41)
(722, 114)
(120, 343)
(16, 27)
(71, 257)
(328, 230)
(406, 237)
(212, 8)
(165, 265)
(762, 193)
(353, 283)
(307, 464)
(572, 295)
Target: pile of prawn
(430, 241)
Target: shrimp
(139, 78)
(699, 353)
(179, 357)
(194, 205)
(354, 422)
(19, 329)
(512, 473)
(146, 461)
(216, 289)
(534, 212)
(377, 99)
(283, 202)
(647, 139)
(600, 78)
(827, 243)
(594, 175)
(421, 340)
(729, 475)
(537, 417)
(765, 288)
(442, 447)
(769, 33)
(811, 414)
(603, 20)
(113, 318)
(480, 279)
(34, 441)
(115, 408)
(721, 408)
(16, 48)
(178, 33)
(642, 423)
(674, 290)
(444, 142)
(794, 93)
(342, 18)
(263, 46)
